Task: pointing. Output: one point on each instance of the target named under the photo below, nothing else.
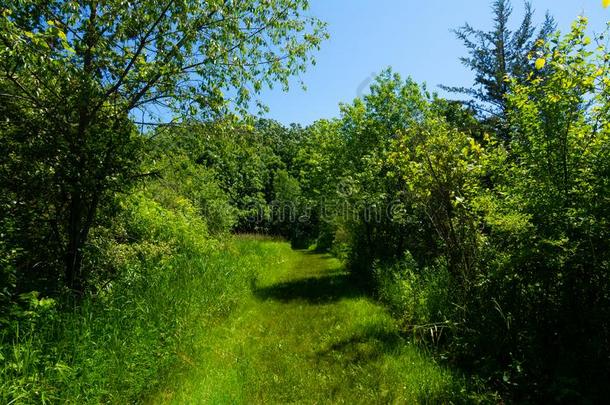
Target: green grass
(245, 321)
(117, 346)
(305, 334)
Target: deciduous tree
(75, 74)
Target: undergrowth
(115, 345)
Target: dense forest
(480, 222)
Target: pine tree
(497, 54)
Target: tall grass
(193, 318)
(117, 344)
(308, 334)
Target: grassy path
(306, 335)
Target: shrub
(169, 279)
(420, 298)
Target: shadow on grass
(362, 347)
(377, 341)
(315, 290)
(322, 255)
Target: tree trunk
(82, 214)
(74, 256)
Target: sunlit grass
(116, 347)
(307, 335)
(249, 321)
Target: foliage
(170, 279)
(318, 167)
(369, 127)
(499, 55)
(74, 75)
(420, 298)
(484, 228)
(199, 185)
(439, 168)
(548, 221)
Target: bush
(169, 279)
(420, 298)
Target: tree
(439, 171)
(369, 127)
(547, 226)
(499, 55)
(319, 165)
(74, 74)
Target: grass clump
(114, 345)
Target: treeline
(483, 225)
(496, 247)
(114, 247)
(486, 234)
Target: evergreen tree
(497, 55)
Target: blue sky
(411, 36)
